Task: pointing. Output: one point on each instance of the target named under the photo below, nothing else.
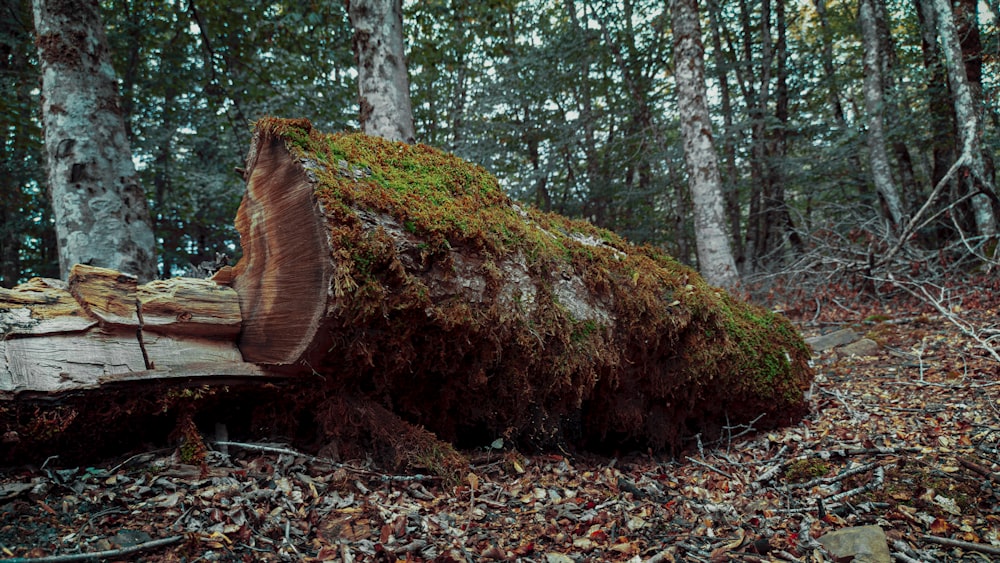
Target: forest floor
(905, 438)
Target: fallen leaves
(893, 440)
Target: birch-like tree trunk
(874, 105)
(966, 117)
(383, 86)
(100, 210)
(730, 189)
(715, 256)
(941, 115)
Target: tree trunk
(757, 102)
(967, 119)
(732, 194)
(942, 126)
(874, 104)
(383, 85)
(889, 61)
(100, 209)
(779, 221)
(715, 257)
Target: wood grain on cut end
(283, 276)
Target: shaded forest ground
(905, 438)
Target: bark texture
(874, 85)
(715, 256)
(100, 211)
(405, 274)
(966, 117)
(383, 85)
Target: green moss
(806, 469)
(583, 330)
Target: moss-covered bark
(477, 317)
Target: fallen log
(98, 364)
(386, 288)
(102, 326)
(405, 274)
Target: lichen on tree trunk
(101, 217)
(406, 275)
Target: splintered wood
(102, 325)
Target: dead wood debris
(910, 446)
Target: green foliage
(194, 74)
(27, 240)
(569, 103)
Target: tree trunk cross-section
(405, 274)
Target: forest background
(572, 105)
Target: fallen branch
(978, 547)
(94, 556)
(873, 484)
(830, 480)
(923, 295)
(712, 467)
(968, 464)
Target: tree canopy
(570, 103)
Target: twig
(115, 469)
(900, 556)
(839, 477)
(665, 555)
(314, 459)
(876, 482)
(922, 294)
(106, 554)
(712, 467)
(979, 547)
(905, 550)
(968, 464)
(911, 225)
(138, 335)
(805, 538)
(770, 473)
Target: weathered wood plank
(41, 306)
(201, 370)
(57, 336)
(108, 295)
(66, 361)
(189, 306)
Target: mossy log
(404, 274)
(383, 280)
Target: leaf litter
(905, 438)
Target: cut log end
(283, 276)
